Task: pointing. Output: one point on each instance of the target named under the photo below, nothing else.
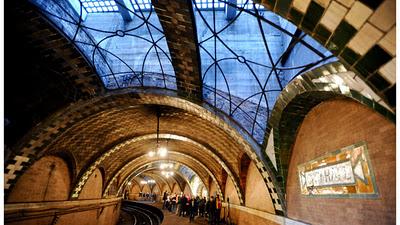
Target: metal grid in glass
(93, 6)
(126, 48)
(248, 55)
(220, 5)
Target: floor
(173, 219)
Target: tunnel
(199, 111)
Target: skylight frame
(226, 101)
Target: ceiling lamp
(160, 151)
(148, 181)
(167, 174)
(166, 166)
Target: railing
(55, 209)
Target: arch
(70, 159)
(157, 179)
(146, 167)
(351, 125)
(130, 98)
(134, 190)
(48, 179)
(348, 43)
(244, 167)
(299, 97)
(94, 186)
(107, 154)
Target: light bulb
(151, 153)
(162, 152)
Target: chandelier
(160, 151)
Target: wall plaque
(346, 172)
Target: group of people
(186, 205)
(142, 196)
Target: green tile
(350, 56)
(378, 81)
(271, 3)
(373, 4)
(342, 35)
(356, 95)
(372, 60)
(313, 15)
(391, 96)
(322, 34)
(283, 6)
(379, 108)
(295, 16)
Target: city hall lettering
(338, 174)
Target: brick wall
(47, 180)
(231, 193)
(93, 187)
(330, 126)
(257, 195)
(241, 217)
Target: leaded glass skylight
(248, 55)
(99, 6)
(122, 40)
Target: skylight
(248, 55)
(122, 40)
(92, 6)
(220, 5)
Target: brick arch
(299, 97)
(177, 178)
(48, 179)
(156, 178)
(70, 159)
(244, 167)
(117, 151)
(58, 49)
(55, 126)
(361, 33)
(140, 164)
(122, 153)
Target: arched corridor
(286, 109)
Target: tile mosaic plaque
(346, 172)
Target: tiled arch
(299, 97)
(158, 178)
(139, 164)
(361, 33)
(60, 122)
(155, 172)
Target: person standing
(191, 210)
(178, 205)
(211, 216)
(202, 204)
(183, 205)
(164, 199)
(218, 207)
(207, 208)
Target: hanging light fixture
(167, 174)
(160, 151)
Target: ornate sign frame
(344, 173)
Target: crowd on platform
(186, 205)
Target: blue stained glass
(247, 59)
(124, 53)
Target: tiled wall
(361, 33)
(333, 125)
(179, 29)
(300, 96)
